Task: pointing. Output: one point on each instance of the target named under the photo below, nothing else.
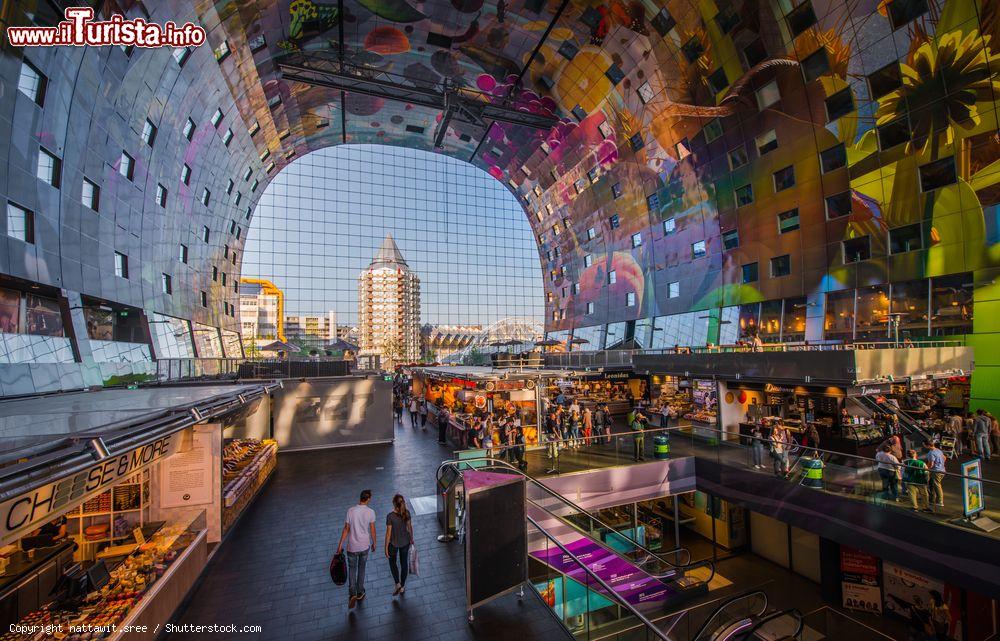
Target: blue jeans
(983, 444)
(757, 449)
(356, 562)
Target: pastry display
(247, 464)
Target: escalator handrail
(614, 595)
(778, 614)
(504, 464)
(904, 419)
(725, 604)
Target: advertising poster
(972, 488)
(859, 582)
(935, 605)
(186, 478)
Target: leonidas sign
(31, 509)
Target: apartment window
(788, 221)
(885, 80)
(590, 308)
(229, 186)
(653, 202)
(232, 226)
(717, 80)
(223, 279)
(248, 213)
(636, 239)
(801, 18)
(20, 223)
(645, 92)
(32, 83)
(730, 239)
(185, 174)
(576, 287)
(750, 274)
(768, 95)
(833, 158)
(839, 104)
(49, 167)
(616, 191)
(636, 141)
(692, 49)
(893, 133)
(166, 284)
(669, 226)
(182, 253)
(161, 195)
(255, 127)
(713, 130)
(588, 260)
(663, 22)
(181, 55)
(906, 239)
(90, 194)
(938, 173)
(239, 230)
(612, 277)
(614, 222)
(838, 205)
(566, 223)
(744, 195)
(556, 231)
(784, 178)
(205, 233)
(857, 249)
(215, 273)
(121, 265)
(247, 174)
(766, 142)
(698, 249)
(237, 199)
(275, 100)
(674, 289)
(815, 65)
(630, 299)
(754, 53)
(126, 166)
(206, 196)
(902, 12)
(204, 299)
(217, 118)
(256, 183)
(222, 51)
(591, 234)
(189, 128)
(781, 266)
(738, 157)
(148, 132)
(227, 137)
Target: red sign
(854, 561)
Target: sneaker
(941, 504)
(398, 589)
(352, 602)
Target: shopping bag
(414, 561)
(338, 569)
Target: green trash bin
(812, 472)
(661, 447)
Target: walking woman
(588, 426)
(398, 538)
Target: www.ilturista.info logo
(80, 30)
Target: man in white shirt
(359, 531)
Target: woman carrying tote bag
(398, 539)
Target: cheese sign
(31, 509)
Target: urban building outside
(388, 310)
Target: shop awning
(45, 440)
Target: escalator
(743, 617)
(912, 432)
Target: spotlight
(98, 449)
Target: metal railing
(187, 369)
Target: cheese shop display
(96, 615)
(108, 518)
(246, 466)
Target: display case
(110, 517)
(247, 464)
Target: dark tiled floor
(273, 569)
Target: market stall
(619, 390)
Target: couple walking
(359, 534)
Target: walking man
(935, 461)
(359, 532)
(414, 411)
(639, 436)
(915, 478)
(981, 434)
(423, 413)
(442, 425)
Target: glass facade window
(32, 83)
(815, 65)
(833, 158)
(896, 132)
(185, 174)
(227, 137)
(205, 233)
(838, 205)
(181, 54)
(90, 195)
(951, 305)
(885, 80)
(217, 118)
(591, 233)
(793, 322)
(801, 18)
(674, 289)
(750, 273)
(699, 249)
(744, 195)
(902, 12)
(738, 157)
(49, 167)
(166, 284)
(121, 265)
(20, 223)
(838, 323)
(873, 314)
(839, 104)
(182, 253)
(630, 299)
(939, 173)
(590, 308)
(784, 178)
(612, 277)
(769, 324)
(748, 317)
(730, 239)
(636, 239)
(189, 128)
(669, 226)
(766, 143)
(588, 260)
(911, 303)
(206, 196)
